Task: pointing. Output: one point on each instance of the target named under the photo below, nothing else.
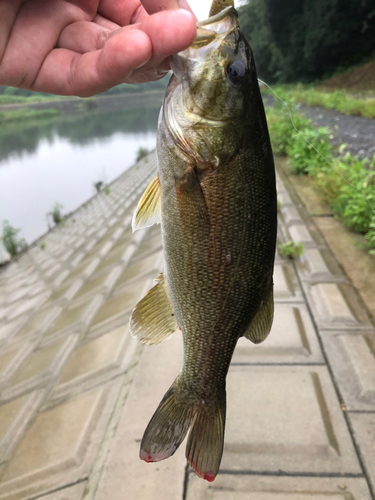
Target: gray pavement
(76, 392)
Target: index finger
(153, 6)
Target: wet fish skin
(218, 215)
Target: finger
(169, 31)
(120, 12)
(184, 5)
(83, 37)
(153, 6)
(105, 23)
(68, 73)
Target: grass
(348, 183)
(339, 100)
(10, 240)
(290, 249)
(17, 115)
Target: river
(58, 160)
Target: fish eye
(236, 71)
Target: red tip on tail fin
(205, 445)
(170, 424)
(167, 428)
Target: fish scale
(215, 197)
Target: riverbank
(48, 108)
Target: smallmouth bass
(215, 197)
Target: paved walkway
(76, 392)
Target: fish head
(216, 70)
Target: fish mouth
(215, 27)
(228, 11)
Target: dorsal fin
(219, 5)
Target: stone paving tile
(364, 435)
(59, 446)
(122, 300)
(76, 317)
(292, 340)
(41, 366)
(285, 419)
(229, 487)
(14, 416)
(38, 323)
(352, 358)
(286, 286)
(95, 362)
(70, 493)
(123, 470)
(284, 416)
(336, 305)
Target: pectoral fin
(261, 325)
(148, 211)
(152, 320)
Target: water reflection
(18, 139)
(58, 160)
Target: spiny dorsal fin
(261, 325)
(148, 211)
(152, 320)
(219, 5)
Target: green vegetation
(56, 214)
(338, 100)
(12, 244)
(347, 183)
(42, 245)
(98, 186)
(106, 190)
(17, 115)
(303, 40)
(290, 249)
(142, 153)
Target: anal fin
(261, 325)
(152, 320)
(148, 211)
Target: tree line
(305, 40)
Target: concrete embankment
(76, 391)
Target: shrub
(290, 249)
(56, 213)
(11, 242)
(141, 153)
(309, 150)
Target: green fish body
(215, 197)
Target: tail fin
(167, 428)
(205, 445)
(170, 424)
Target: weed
(142, 153)
(98, 186)
(290, 249)
(309, 150)
(42, 245)
(370, 237)
(56, 213)
(106, 190)
(12, 244)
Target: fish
(215, 197)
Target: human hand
(84, 47)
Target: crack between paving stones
(60, 488)
(288, 474)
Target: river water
(58, 160)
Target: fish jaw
(202, 69)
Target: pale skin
(84, 47)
